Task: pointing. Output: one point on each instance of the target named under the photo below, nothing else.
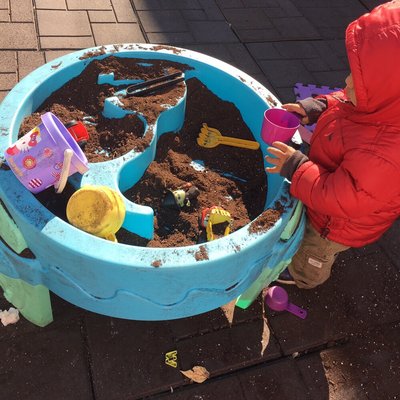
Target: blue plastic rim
(117, 279)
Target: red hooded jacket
(351, 183)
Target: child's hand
(297, 108)
(281, 153)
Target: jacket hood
(373, 50)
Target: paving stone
(165, 4)
(53, 54)
(211, 10)
(278, 380)
(123, 10)
(4, 4)
(290, 8)
(263, 51)
(330, 53)
(3, 94)
(163, 21)
(66, 42)
(296, 49)
(47, 364)
(285, 73)
(242, 59)
(313, 374)
(7, 81)
(214, 320)
(316, 65)
(74, 23)
(8, 61)
(285, 94)
(212, 32)
(227, 388)
(355, 369)
(101, 16)
(180, 39)
(229, 4)
(117, 33)
(21, 11)
(19, 36)
(51, 4)
(226, 349)
(391, 245)
(257, 35)
(28, 61)
(4, 16)
(194, 15)
(132, 354)
(247, 18)
(345, 309)
(330, 78)
(142, 5)
(232, 53)
(296, 28)
(90, 5)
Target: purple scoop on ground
(277, 299)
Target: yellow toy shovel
(98, 210)
(211, 137)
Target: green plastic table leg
(33, 302)
(270, 274)
(267, 275)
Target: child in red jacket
(350, 180)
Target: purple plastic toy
(278, 300)
(46, 156)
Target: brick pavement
(87, 356)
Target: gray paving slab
(212, 32)
(391, 245)
(28, 61)
(4, 16)
(51, 4)
(117, 33)
(128, 358)
(73, 23)
(21, 36)
(46, 363)
(66, 42)
(101, 16)
(8, 61)
(7, 81)
(163, 21)
(21, 11)
(123, 11)
(345, 308)
(277, 380)
(354, 369)
(89, 5)
(228, 349)
(166, 4)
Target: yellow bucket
(98, 210)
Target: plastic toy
(278, 300)
(78, 131)
(211, 137)
(180, 198)
(213, 216)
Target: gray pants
(312, 264)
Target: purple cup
(277, 299)
(278, 125)
(37, 158)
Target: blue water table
(116, 279)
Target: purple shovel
(278, 300)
